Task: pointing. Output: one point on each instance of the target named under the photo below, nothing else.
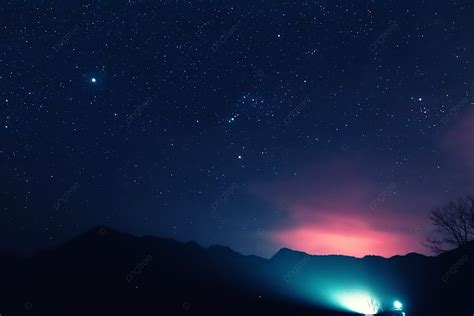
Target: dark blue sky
(254, 124)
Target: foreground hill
(104, 272)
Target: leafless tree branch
(453, 225)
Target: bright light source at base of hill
(359, 302)
(397, 305)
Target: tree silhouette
(453, 225)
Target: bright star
(93, 80)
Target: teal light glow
(359, 302)
(328, 282)
(398, 305)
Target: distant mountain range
(105, 272)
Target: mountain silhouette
(106, 272)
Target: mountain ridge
(104, 267)
(104, 230)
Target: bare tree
(453, 225)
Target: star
(233, 118)
(239, 96)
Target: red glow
(349, 236)
(330, 210)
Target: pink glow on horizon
(350, 228)
(349, 236)
(329, 211)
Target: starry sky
(331, 127)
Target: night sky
(322, 126)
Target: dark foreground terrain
(104, 272)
